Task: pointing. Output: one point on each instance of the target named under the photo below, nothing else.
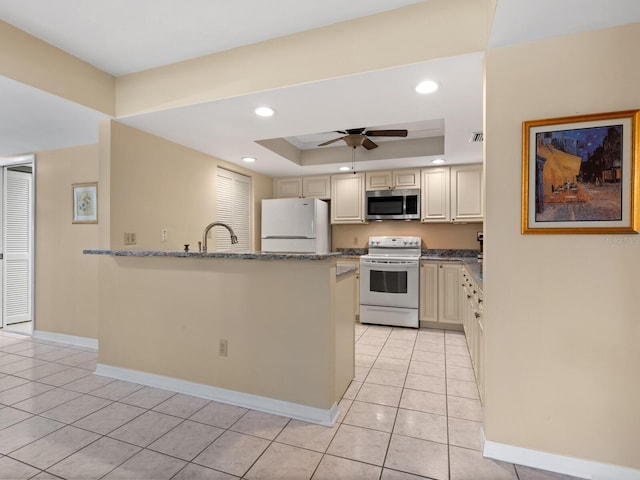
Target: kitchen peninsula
(271, 332)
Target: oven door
(389, 282)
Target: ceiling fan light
(264, 111)
(428, 86)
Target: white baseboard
(66, 339)
(575, 467)
(254, 402)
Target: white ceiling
(121, 36)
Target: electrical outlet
(129, 238)
(222, 348)
(163, 235)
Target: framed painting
(580, 174)
(85, 202)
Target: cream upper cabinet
(347, 198)
(406, 178)
(379, 180)
(389, 179)
(288, 187)
(440, 292)
(436, 191)
(317, 186)
(467, 194)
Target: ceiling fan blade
(368, 144)
(330, 142)
(355, 131)
(386, 133)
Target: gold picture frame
(85, 202)
(581, 174)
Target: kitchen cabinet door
(403, 179)
(380, 180)
(449, 293)
(436, 200)
(317, 187)
(288, 187)
(428, 292)
(467, 193)
(389, 179)
(347, 198)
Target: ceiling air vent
(476, 137)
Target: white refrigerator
(296, 225)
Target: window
(233, 207)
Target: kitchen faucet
(234, 238)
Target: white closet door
(233, 207)
(17, 247)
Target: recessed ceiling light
(428, 86)
(264, 111)
(344, 169)
(248, 159)
(438, 161)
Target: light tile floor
(412, 412)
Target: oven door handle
(389, 263)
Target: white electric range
(389, 281)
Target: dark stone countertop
(212, 255)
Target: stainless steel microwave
(393, 205)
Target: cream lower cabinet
(428, 292)
(473, 323)
(440, 292)
(347, 198)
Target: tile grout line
(386, 454)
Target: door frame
(10, 162)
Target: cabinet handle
(477, 314)
(479, 300)
(468, 296)
(475, 291)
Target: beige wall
(562, 327)
(158, 184)
(66, 286)
(36, 63)
(434, 235)
(425, 31)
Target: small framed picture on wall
(85, 202)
